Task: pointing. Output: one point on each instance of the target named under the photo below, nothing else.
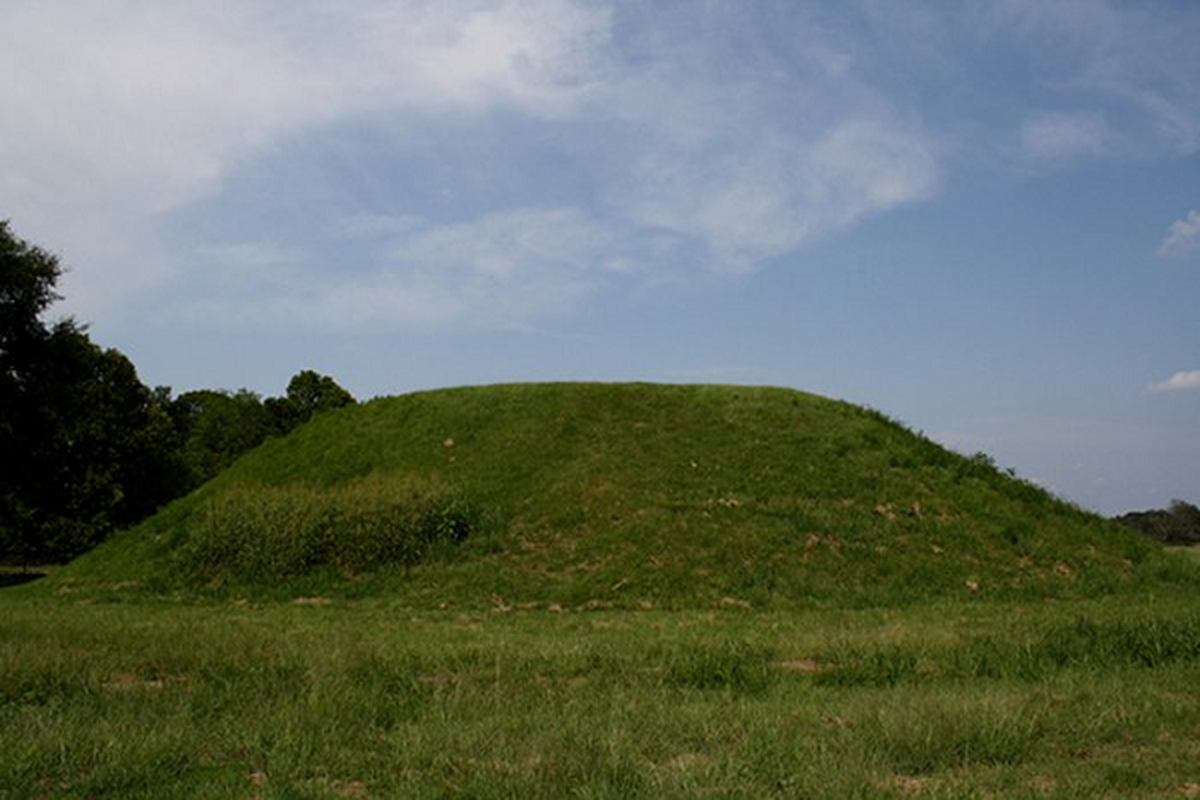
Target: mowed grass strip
(329, 698)
(326, 698)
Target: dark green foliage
(27, 278)
(214, 428)
(1178, 524)
(882, 666)
(308, 393)
(86, 447)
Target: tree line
(1178, 524)
(85, 447)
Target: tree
(307, 393)
(213, 428)
(86, 448)
(1179, 524)
(27, 278)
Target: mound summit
(582, 494)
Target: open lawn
(369, 698)
(586, 590)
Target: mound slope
(631, 494)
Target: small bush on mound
(255, 533)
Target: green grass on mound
(272, 532)
(633, 495)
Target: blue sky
(982, 218)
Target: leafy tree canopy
(86, 448)
(27, 278)
(307, 393)
(312, 393)
(214, 427)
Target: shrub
(273, 532)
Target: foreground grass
(343, 698)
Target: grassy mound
(624, 494)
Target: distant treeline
(85, 447)
(1178, 524)
(211, 428)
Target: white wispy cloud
(497, 271)
(772, 194)
(715, 146)
(1183, 237)
(532, 55)
(1179, 382)
(131, 110)
(754, 157)
(1126, 71)
(155, 102)
(144, 111)
(1064, 135)
(1095, 78)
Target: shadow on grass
(18, 578)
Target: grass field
(627, 494)
(591, 590)
(335, 698)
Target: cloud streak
(495, 272)
(1065, 135)
(1179, 382)
(1183, 237)
(1126, 71)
